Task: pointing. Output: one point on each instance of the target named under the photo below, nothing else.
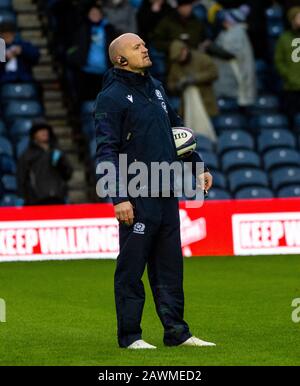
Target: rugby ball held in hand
(185, 141)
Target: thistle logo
(2, 51)
(2, 311)
(139, 228)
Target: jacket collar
(131, 77)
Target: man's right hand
(124, 212)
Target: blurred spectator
(256, 20)
(149, 15)
(89, 52)
(288, 69)
(21, 56)
(121, 14)
(183, 25)
(179, 24)
(191, 76)
(43, 169)
(237, 78)
(63, 18)
(257, 27)
(289, 3)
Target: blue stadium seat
(5, 146)
(236, 139)
(281, 157)
(297, 122)
(18, 91)
(235, 159)
(229, 122)
(24, 109)
(262, 70)
(218, 194)
(7, 164)
(210, 159)
(2, 129)
(5, 4)
(275, 30)
(87, 109)
(269, 139)
(285, 176)
(204, 143)
(136, 3)
(261, 67)
(20, 128)
(289, 191)
(22, 146)
(228, 105)
(254, 192)
(9, 183)
(200, 12)
(11, 200)
(260, 85)
(7, 16)
(274, 13)
(265, 104)
(247, 177)
(219, 180)
(269, 121)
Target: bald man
(133, 117)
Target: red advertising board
(233, 227)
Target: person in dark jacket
(192, 68)
(21, 56)
(182, 24)
(121, 14)
(88, 53)
(133, 118)
(43, 169)
(150, 13)
(179, 24)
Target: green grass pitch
(63, 313)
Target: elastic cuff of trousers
(172, 341)
(126, 341)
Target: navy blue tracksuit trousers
(153, 241)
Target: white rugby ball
(185, 141)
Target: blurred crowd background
(231, 69)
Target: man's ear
(122, 60)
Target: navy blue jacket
(133, 117)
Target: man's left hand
(205, 181)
